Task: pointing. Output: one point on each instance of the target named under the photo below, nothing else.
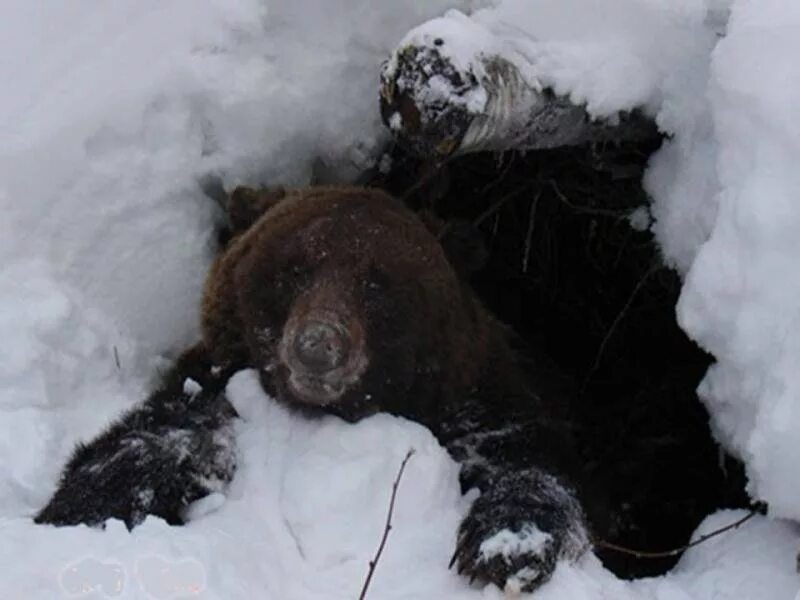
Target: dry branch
(758, 509)
(374, 562)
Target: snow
(740, 297)
(506, 543)
(640, 219)
(191, 387)
(117, 113)
(112, 116)
(304, 516)
(609, 56)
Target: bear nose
(320, 347)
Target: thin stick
(676, 551)
(436, 168)
(617, 214)
(601, 350)
(529, 235)
(498, 204)
(374, 562)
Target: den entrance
(571, 266)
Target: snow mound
(303, 519)
(755, 561)
(119, 112)
(740, 300)
(49, 400)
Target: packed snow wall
(116, 116)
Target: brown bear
(348, 303)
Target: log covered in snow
(453, 86)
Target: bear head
(346, 302)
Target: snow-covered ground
(111, 113)
(305, 515)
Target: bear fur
(348, 303)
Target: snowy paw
(516, 532)
(139, 474)
(522, 558)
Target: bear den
(349, 303)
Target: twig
(601, 212)
(498, 204)
(436, 168)
(617, 320)
(529, 235)
(502, 176)
(676, 551)
(374, 562)
(116, 359)
(495, 226)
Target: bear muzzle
(319, 347)
(323, 354)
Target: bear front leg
(527, 516)
(173, 449)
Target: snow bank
(305, 515)
(112, 114)
(757, 561)
(64, 371)
(740, 300)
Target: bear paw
(516, 532)
(520, 560)
(129, 475)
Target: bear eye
(294, 274)
(377, 280)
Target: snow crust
(112, 115)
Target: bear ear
(246, 205)
(462, 242)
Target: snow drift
(305, 515)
